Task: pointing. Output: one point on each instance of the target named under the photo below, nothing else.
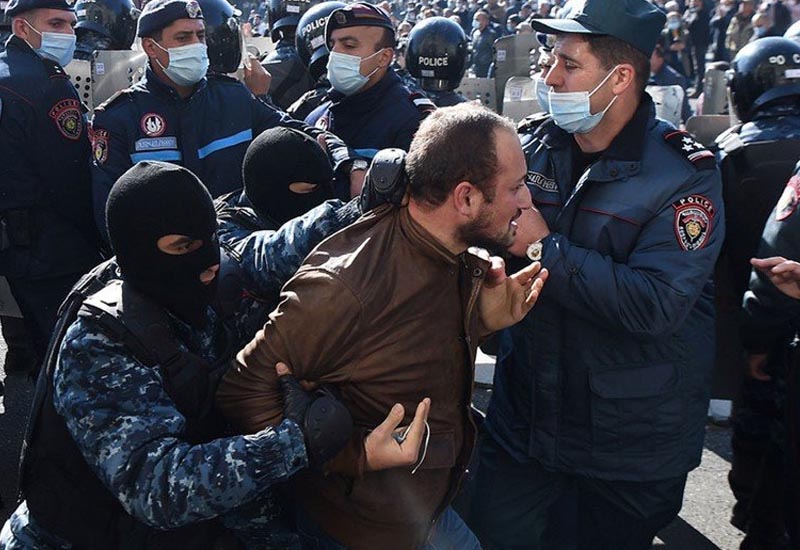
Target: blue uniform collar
(365, 101)
(154, 84)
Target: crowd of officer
(209, 190)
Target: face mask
(344, 72)
(571, 111)
(542, 93)
(56, 46)
(674, 25)
(187, 64)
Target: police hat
(357, 15)
(16, 7)
(637, 22)
(160, 13)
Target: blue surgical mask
(542, 93)
(56, 46)
(187, 64)
(344, 72)
(571, 111)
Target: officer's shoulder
(117, 100)
(686, 147)
(216, 79)
(422, 103)
(531, 122)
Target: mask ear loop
(163, 49)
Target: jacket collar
(15, 43)
(366, 100)
(154, 84)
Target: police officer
(104, 25)
(176, 114)
(661, 74)
(125, 448)
(45, 240)
(313, 52)
(437, 58)
(602, 393)
(223, 38)
(764, 94)
(368, 106)
(290, 79)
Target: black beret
(160, 13)
(16, 7)
(357, 15)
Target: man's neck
(438, 224)
(613, 122)
(374, 79)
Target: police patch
(544, 183)
(694, 216)
(67, 116)
(341, 18)
(193, 9)
(789, 199)
(153, 125)
(99, 139)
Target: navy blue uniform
(208, 133)
(48, 240)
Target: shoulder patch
(99, 140)
(531, 122)
(423, 103)
(694, 216)
(114, 99)
(689, 148)
(789, 199)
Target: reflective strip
(223, 143)
(156, 155)
(366, 153)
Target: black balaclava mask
(277, 158)
(153, 199)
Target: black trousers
(512, 507)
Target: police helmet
(223, 39)
(763, 71)
(112, 20)
(310, 39)
(437, 54)
(793, 32)
(284, 15)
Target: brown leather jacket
(388, 314)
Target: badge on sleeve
(99, 139)
(67, 116)
(153, 125)
(693, 218)
(789, 199)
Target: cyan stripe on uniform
(366, 153)
(224, 143)
(156, 155)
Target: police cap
(160, 13)
(637, 22)
(16, 7)
(357, 15)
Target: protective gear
(275, 160)
(90, 42)
(187, 64)
(223, 39)
(572, 111)
(290, 78)
(437, 54)
(344, 72)
(57, 46)
(114, 20)
(310, 38)
(386, 179)
(135, 225)
(764, 71)
(283, 17)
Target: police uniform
(604, 387)
(310, 100)
(46, 240)
(446, 98)
(436, 57)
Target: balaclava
(153, 199)
(277, 158)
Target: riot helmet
(223, 39)
(105, 24)
(793, 32)
(764, 71)
(283, 16)
(437, 54)
(310, 37)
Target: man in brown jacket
(391, 310)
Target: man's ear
(387, 55)
(467, 199)
(626, 76)
(150, 49)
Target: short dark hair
(387, 40)
(613, 51)
(455, 144)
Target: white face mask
(542, 92)
(56, 46)
(571, 111)
(344, 72)
(187, 64)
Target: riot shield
(512, 58)
(519, 98)
(706, 128)
(668, 101)
(115, 70)
(480, 89)
(80, 74)
(715, 98)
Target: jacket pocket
(636, 410)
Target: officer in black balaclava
(285, 175)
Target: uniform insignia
(542, 182)
(193, 9)
(322, 122)
(687, 146)
(153, 125)
(67, 116)
(693, 218)
(341, 18)
(422, 103)
(99, 139)
(789, 199)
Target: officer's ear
(625, 78)
(20, 27)
(150, 45)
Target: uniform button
(477, 272)
(613, 172)
(632, 167)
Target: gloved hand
(325, 422)
(386, 180)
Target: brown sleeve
(314, 330)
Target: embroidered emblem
(99, 139)
(67, 116)
(789, 199)
(153, 125)
(693, 218)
